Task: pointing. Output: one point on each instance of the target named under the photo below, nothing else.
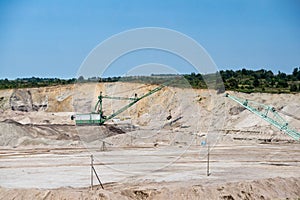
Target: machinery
(97, 117)
(267, 113)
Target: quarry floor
(43, 167)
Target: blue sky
(52, 38)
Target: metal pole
(207, 158)
(103, 146)
(98, 178)
(92, 159)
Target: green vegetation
(33, 82)
(244, 80)
(42, 82)
(261, 81)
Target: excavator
(97, 117)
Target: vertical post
(101, 120)
(92, 160)
(100, 102)
(103, 147)
(207, 157)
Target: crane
(267, 113)
(97, 116)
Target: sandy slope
(196, 110)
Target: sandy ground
(59, 167)
(44, 156)
(137, 169)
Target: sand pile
(14, 134)
(11, 134)
(273, 188)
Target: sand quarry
(141, 154)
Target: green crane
(97, 117)
(267, 113)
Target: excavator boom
(267, 113)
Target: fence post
(92, 160)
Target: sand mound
(274, 188)
(11, 133)
(14, 134)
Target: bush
(293, 88)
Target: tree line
(240, 80)
(261, 81)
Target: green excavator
(97, 117)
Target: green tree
(233, 83)
(256, 82)
(281, 75)
(282, 83)
(295, 72)
(244, 71)
(293, 88)
(80, 79)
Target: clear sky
(51, 38)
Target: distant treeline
(249, 81)
(241, 80)
(261, 81)
(42, 82)
(33, 82)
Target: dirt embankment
(51, 99)
(186, 110)
(273, 188)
